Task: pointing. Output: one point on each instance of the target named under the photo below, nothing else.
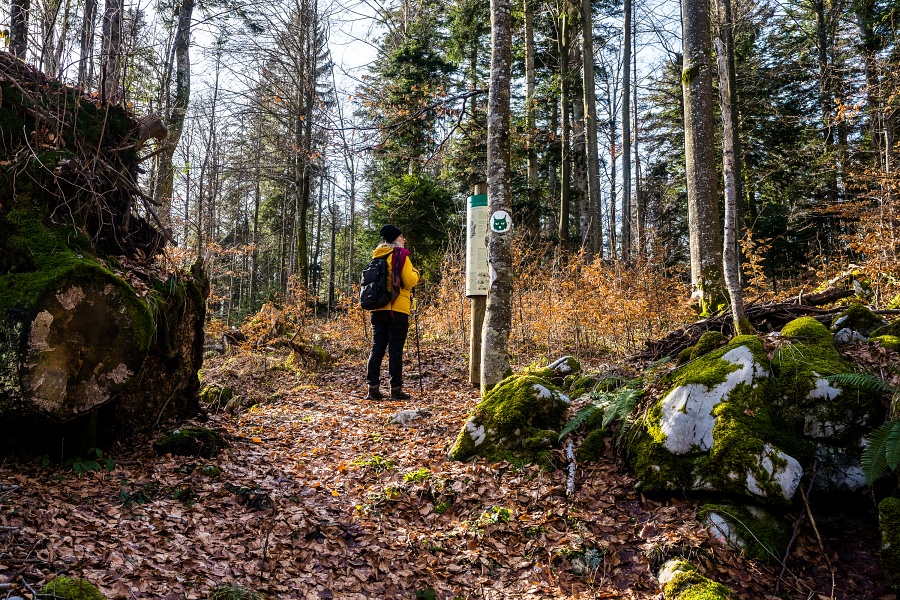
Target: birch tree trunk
(590, 127)
(731, 264)
(498, 312)
(704, 223)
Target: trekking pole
(418, 351)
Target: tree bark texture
(498, 313)
(595, 232)
(704, 223)
(18, 27)
(533, 223)
(179, 106)
(626, 131)
(111, 53)
(86, 55)
(731, 264)
(565, 168)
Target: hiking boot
(397, 393)
(374, 393)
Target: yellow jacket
(409, 277)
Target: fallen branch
(570, 480)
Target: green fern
(882, 453)
(862, 381)
(616, 406)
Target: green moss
(688, 584)
(67, 588)
(541, 440)
(892, 328)
(709, 341)
(799, 388)
(889, 525)
(519, 408)
(808, 330)
(684, 356)
(592, 447)
(233, 592)
(858, 318)
(191, 441)
(687, 75)
(759, 534)
(215, 395)
(891, 342)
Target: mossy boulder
(892, 328)
(713, 430)
(891, 342)
(709, 341)
(807, 404)
(521, 414)
(680, 580)
(592, 446)
(889, 525)
(215, 395)
(67, 588)
(747, 528)
(857, 317)
(191, 441)
(557, 372)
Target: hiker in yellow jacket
(390, 324)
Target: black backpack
(373, 288)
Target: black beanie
(389, 233)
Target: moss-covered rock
(709, 341)
(680, 580)
(889, 525)
(191, 441)
(592, 447)
(747, 528)
(891, 342)
(808, 405)
(857, 317)
(67, 588)
(520, 409)
(892, 328)
(713, 430)
(215, 395)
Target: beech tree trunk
(18, 27)
(626, 133)
(498, 312)
(111, 54)
(704, 223)
(565, 169)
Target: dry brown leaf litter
(312, 502)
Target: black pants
(388, 333)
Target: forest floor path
(319, 497)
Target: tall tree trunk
(626, 132)
(580, 193)
(726, 31)
(86, 55)
(498, 312)
(179, 105)
(731, 264)
(613, 157)
(825, 98)
(590, 128)
(637, 234)
(533, 223)
(18, 27)
(565, 170)
(57, 66)
(704, 223)
(111, 53)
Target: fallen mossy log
(96, 342)
(769, 316)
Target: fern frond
(580, 417)
(620, 406)
(862, 381)
(882, 452)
